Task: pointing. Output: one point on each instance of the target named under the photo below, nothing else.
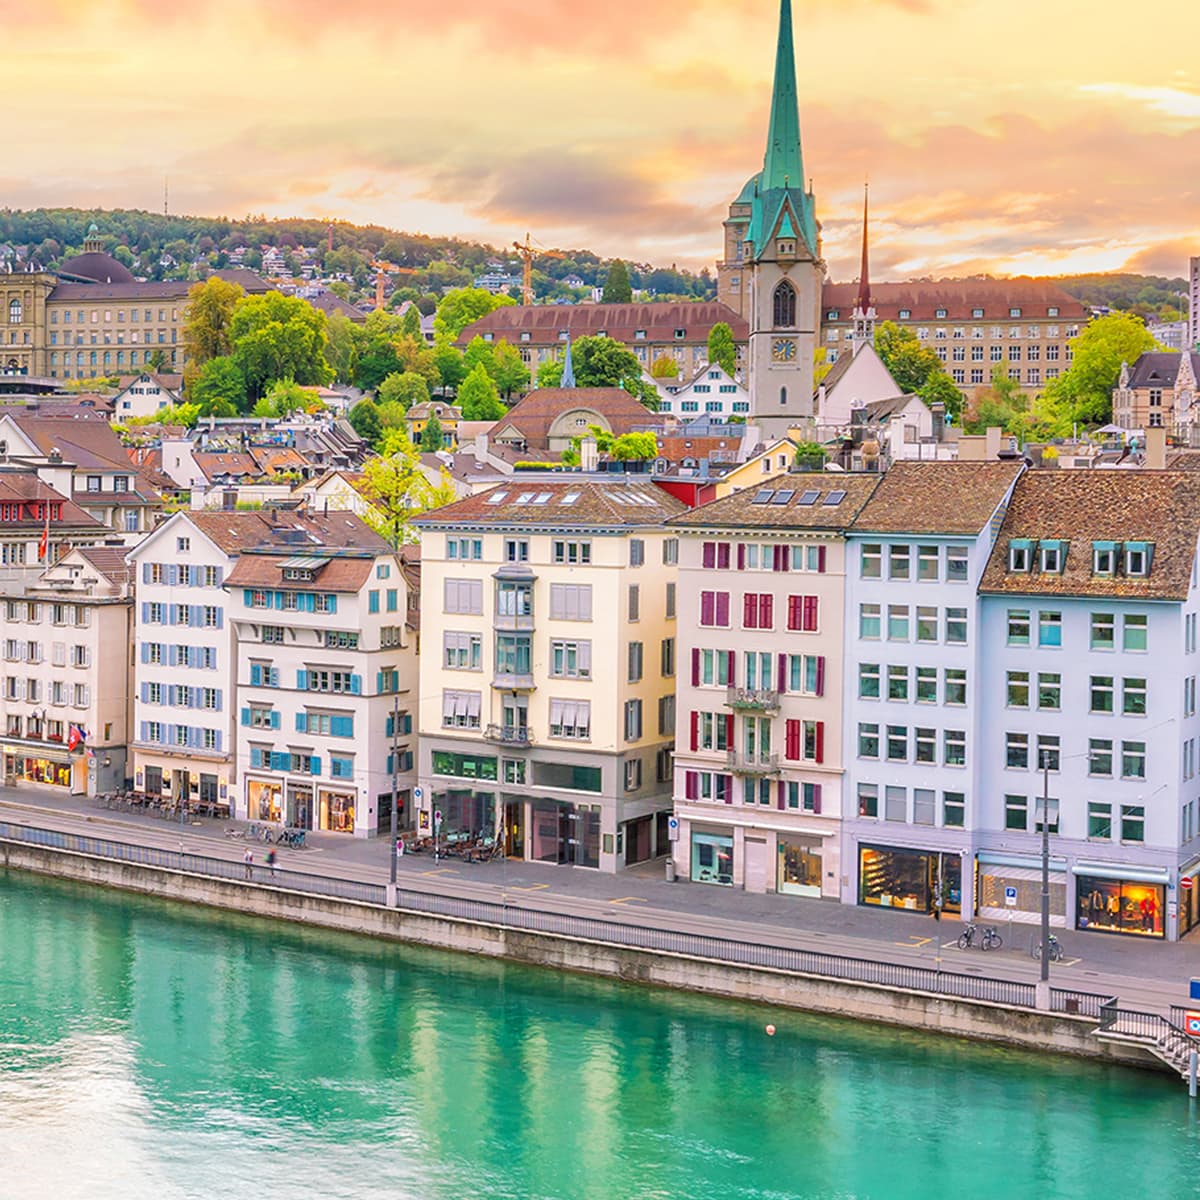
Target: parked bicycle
(989, 939)
(293, 838)
(1056, 950)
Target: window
(925, 745)
(1133, 760)
(637, 552)
(1018, 627)
(1103, 631)
(895, 804)
(670, 551)
(869, 622)
(571, 659)
(1016, 812)
(1049, 752)
(1133, 697)
(669, 604)
(516, 550)
(868, 740)
(666, 716)
(1049, 693)
(1020, 555)
(784, 305)
(572, 553)
(1134, 629)
(897, 622)
(1104, 558)
(1133, 823)
(667, 658)
(924, 806)
(871, 562)
(714, 610)
(570, 719)
(927, 563)
(956, 564)
(956, 686)
(868, 800)
(897, 743)
(926, 685)
(712, 668)
(868, 681)
(635, 662)
(571, 601)
(461, 548)
(634, 602)
(898, 562)
(182, 544)
(1099, 820)
(954, 809)
(1137, 559)
(1016, 751)
(954, 747)
(460, 710)
(464, 596)
(927, 624)
(463, 651)
(1101, 687)
(1018, 689)
(1049, 629)
(897, 683)
(956, 626)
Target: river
(151, 1052)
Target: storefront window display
(45, 770)
(300, 807)
(264, 800)
(712, 858)
(565, 833)
(799, 867)
(1119, 906)
(466, 811)
(892, 877)
(337, 811)
(1189, 904)
(996, 882)
(154, 780)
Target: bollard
(1193, 1059)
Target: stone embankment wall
(980, 1020)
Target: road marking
(533, 887)
(949, 945)
(628, 900)
(914, 942)
(441, 871)
(1069, 962)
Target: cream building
(548, 672)
(759, 791)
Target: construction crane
(527, 250)
(382, 270)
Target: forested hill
(155, 246)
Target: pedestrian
(248, 859)
(271, 860)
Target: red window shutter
(741, 556)
(816, 797)
(731, 667)
(793, 612)
(810, 614)
(781, 794)
(749, 611)
(821, 675)
(782, 675)
(695, 667)
(728, 788)
(791, 740)
(729, 731)
(691, 785)
(709, 555)
(766, 611)
(723, 609)
(707, 608)
(723, 555)
(695, 731)
(821, 559)
(820, 755)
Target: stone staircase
(1157, 1034)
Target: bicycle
(967, 937)
(1056, 950)
(991, 940)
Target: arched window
(783, 396)
(14, 312)
(785, 306)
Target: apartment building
(67, 674)
(1089, 610)
(1159, 391)
(548, 673)
(38, 524)
(759, 743)
(915, 768)
(325, 659)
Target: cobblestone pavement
(1144, 973)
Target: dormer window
(940, 314)
(905, 314)
(639, 335)
(832, 315)
(1020, 555)
(1104, 558)
(1014, 312)
(786, 248)
(1053, 557)
(977, 313)
(1052, 311)
(1137, 559)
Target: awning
(1118, 871)
(993, 858)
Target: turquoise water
(153, 1053)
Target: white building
(324, 653)
(712, 392)
(146, 394)
(1193, 320)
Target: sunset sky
(1029, 137)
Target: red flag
(44, 540)
(75, 737)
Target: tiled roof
(169, 290)
(838, 500)
(533, 416)
(1082, 507)
(1159, 368)
(88, 444)
(580, 504)
(938, 497)
(108, 560)
(960, 298)
(676, 449)
(25, 486)
(659, 322)
(225, 463)
(342, 573)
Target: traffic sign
(418, 793)
(1191, 1023)
(1187, 882)
(437, 817)
(1194, 989)
(673, 828)
(1010, 897)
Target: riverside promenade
(1148, 975)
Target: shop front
(899, 877)
(466, 812)
(1189, 898)
(264, 800)
(799, 866)
(300, 806)
(1010, 888)
(565, 833)
(48, 768)
(712, 858)
(1128, 900)
(335, 809)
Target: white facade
(1193, 320)
(711, 393)
(143, 397)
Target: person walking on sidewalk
(248, 859)
(271, 859)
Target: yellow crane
(382, 270)
(527, 251)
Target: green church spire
(783, 166)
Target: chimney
(1155, 458)
(589, 455)
(938, 411)
(993, 435)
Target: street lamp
(1045, 867)
(395, 780)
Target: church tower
(780, 264)
(863, 330)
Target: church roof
(96, 267)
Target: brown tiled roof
(25, 486)
(172, 383)
(676, 449)
(753, 507)
(108, 560)
(226, 462)
(342, 573)
(88, 444)
(660, 322)
(1184, 460)
(959, 297)
(176, 289)
(533, 416)
(234, 532)
(594, 505)
(1081, 507)
(272, 459)
(938, 497)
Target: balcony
(752, 764)
(513, 682)
(752, 699)
(509, 735)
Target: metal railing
(756, 699)
(1173, 1043)
(508, 735)
(640, 937)
(1073, 1003)
(739, 763)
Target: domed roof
(95, 267)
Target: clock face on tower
(783, 350)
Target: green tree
(1002, 404)
(158, 360)
(451, 368)
(405, 388)
(665, 367)
(605, 362)
(392, 415)
(939, 388)
(722, 349)
(219, 385)
(365, 419)
(431, 435)
(509, 370)
(462, 307)
(375, 364)
(915, 367)
(284, 397)
(635, 447)
(617, 288)
(1083, 393)
(549, 373)
(480, 353)
(343, 346)
(410, 323)
(397, 489)
(478, 398)
(279, 337)
(207, 320)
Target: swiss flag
(75, 737)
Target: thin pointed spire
(864, 276)
(784, 161)
(568, 371)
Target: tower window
(785, 305)
(14, 312)
(783, 396)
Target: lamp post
(395, 781)
(1045, 868)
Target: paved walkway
(1144, 973)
